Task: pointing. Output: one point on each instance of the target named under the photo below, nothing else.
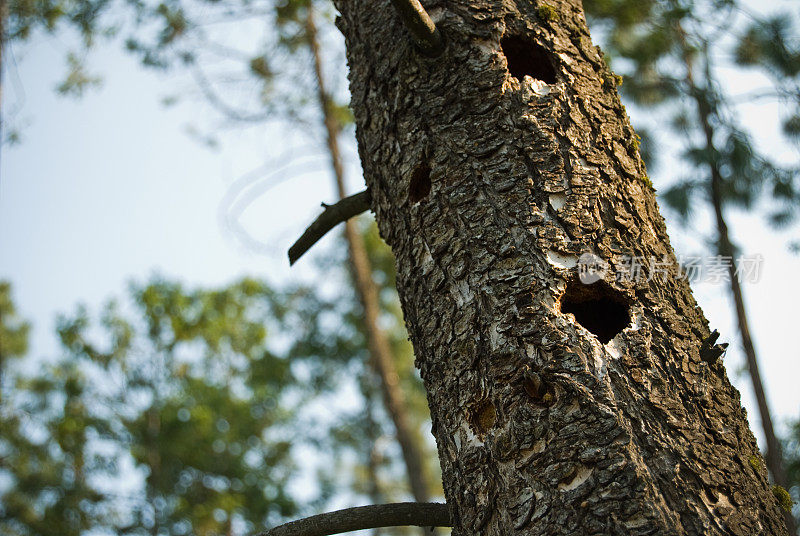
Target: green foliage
(185, 388)
(755, 463)
(645, 179)
(768, 44)
(27, 16)
(13, 329)
(260, 67)
(190, 388)
(678, 197)
(24, 18)
(45, 463)
(78, 80)
(623, 13)
(173, 22)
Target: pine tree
(496, 169)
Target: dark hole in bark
(540, 391)
(420, 185)
(597, 307)
(483, 416)
(525, 57)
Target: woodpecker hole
(597, 307)
(483, 416)
(420, 185)
(540, 392)
(525, 57)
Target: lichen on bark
(636, 436)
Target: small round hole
(540, 392)
(482, 416)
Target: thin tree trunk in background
(774, 457)
(372, 461)
(153, 464)
(2, 360)
(367, 291)
(774, 452)
(492, 168)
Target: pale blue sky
(111, 188)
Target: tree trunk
(371, 455)
(489, 187)
(366, 290)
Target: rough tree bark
(489, 187)
(381, 358)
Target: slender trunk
(2, 361)
(367, 291)
(774, 454)
(558, 407)
(153, 464)
(372, 461)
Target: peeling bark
(489, 188)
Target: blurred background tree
(46, 461)
(189, 411)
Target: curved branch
(330, 217)
(367, 517)
(421, 26)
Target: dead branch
(330, 218)
(422, 28)
(367, 517)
